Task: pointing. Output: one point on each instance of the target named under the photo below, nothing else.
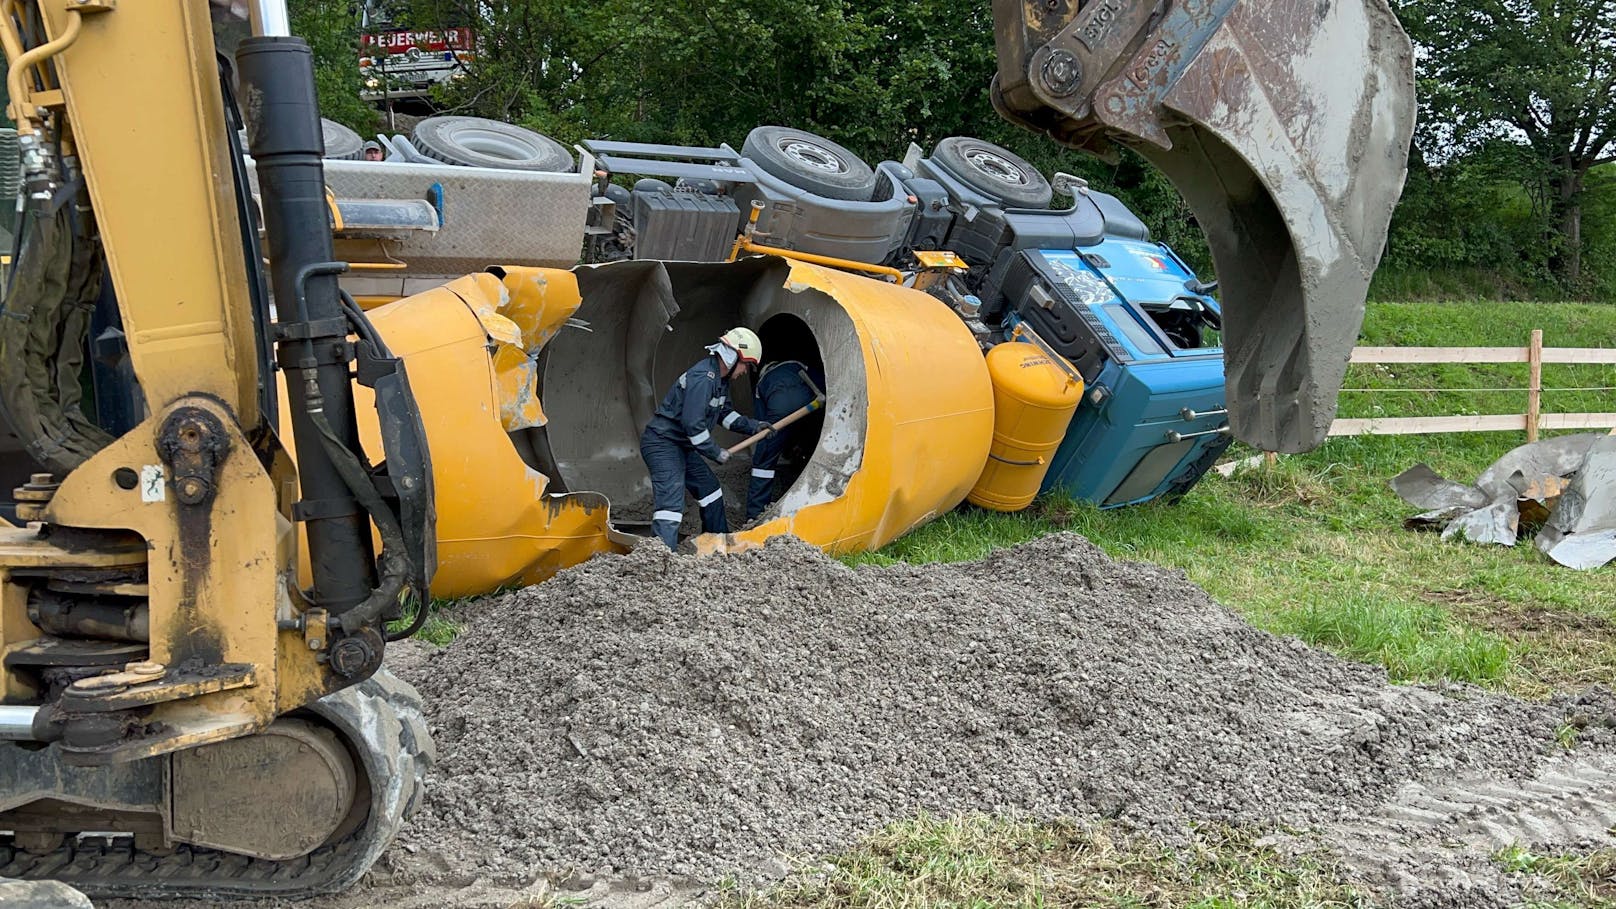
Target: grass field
(986, 862)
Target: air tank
(1033, 403)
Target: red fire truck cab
(406, 63)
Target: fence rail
(1594, 355)
(1534, 354)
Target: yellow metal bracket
(844, 264)
(939, 258)
(1023, 330)
(936, 266)
(336, 211)
(743, 243)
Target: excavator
(195, 605)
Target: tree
(332, 29)
(1539, 75)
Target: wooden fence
(1534, 354)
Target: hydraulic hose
(393, 564)
(33, 57)
(43, 324)
(421, 611)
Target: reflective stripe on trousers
(675, 469)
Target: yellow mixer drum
(1033, 403)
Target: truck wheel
(810, 162)
(479, 142)
(993, 171)
(341, 142)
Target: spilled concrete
(664, 716)
(643, 725)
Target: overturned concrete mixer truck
(977, 341)
(908, 284)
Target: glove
(723, 455)
(767, 428)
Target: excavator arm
(154, 632)
(1285, 124)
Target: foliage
(1528, 87)
(332, 29)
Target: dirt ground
(642, 726)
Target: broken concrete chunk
(1540, 489)
(1582, 551)
(1497, 523)
(1436, 520)
(1564, 487)
(41, 895)
(1422, 487)
(1556, 457)
(1581, 533)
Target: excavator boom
(1286, 126)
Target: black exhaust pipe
(311, 332)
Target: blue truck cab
(1126, 311)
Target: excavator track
(381, 721)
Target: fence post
(1534, 384)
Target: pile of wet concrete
(658, 714)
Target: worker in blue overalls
(782, 389)
(681, 434)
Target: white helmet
(745, 343)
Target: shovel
(785, 421)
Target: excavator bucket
(1285, 124)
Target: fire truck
(407, 62)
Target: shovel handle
(785, 421)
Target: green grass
(1391, 387)
(1573, 881)
(973, 861)
(1314, 546)
(1458, 284)
(439, 628)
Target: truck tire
(341, 142)
(810, 162)
(480, 142)
(993, 171)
